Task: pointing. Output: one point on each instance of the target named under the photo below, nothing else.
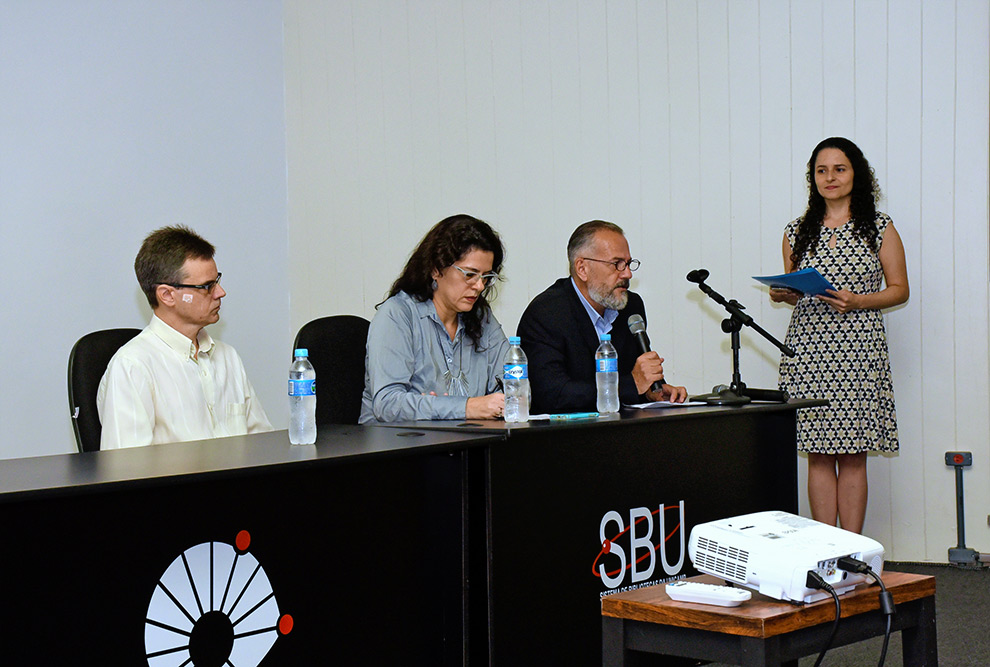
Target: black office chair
(339, 377)
(87, 363)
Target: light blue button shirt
(603, 323)
(410, 354)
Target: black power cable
(816, 580)
(850, 564)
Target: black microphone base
(772, 395)
(727, 395)
(724, 397)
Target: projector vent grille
(720, 560)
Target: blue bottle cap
(606, 337)
(301, 352)
(515, 340)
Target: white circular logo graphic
(213, 606)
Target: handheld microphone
(637, 327)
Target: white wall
(117, 118)
(689, 124)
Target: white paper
(665, 404)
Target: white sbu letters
(641, 538)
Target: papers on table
(583, 416)
(806, 281)
(665, 404)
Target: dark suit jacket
(560, 342)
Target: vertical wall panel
(745, 124)
(808, 95)
(368, 209)
(623, 130)
(773, 162)
(307, 99)
(480, 109)
(970, 253)
(514, 161)
(452, 109)
(592, 53)
(568, 158)
(902, 187)
(421, 67)
(690, 124)
(870, 67)
(714, 179)
(436, 89)
(938, 354)
(838, 58)
(657, 228)
(689, 335)
(305, 94)
(536, 165)
(507, 69)
(397, 98)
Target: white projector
(772, 552)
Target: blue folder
(806, 281)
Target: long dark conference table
(421, 543)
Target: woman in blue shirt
(435, 349)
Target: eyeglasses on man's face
(209, 287)
(619, 264)
(472, 277)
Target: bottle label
(607, 365)
(516, 371)
(302, 387)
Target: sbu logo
(646, 537)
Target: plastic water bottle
(607, 376)
(302, 400)
(515, 382)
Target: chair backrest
(87, 363)
(339, 375)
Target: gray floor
(962, 605)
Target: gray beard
(609, 299)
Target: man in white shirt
(173, 382)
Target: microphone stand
(737, 393)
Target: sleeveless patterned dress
(841, 357)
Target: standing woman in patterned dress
(839, 338)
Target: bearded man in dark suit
(560, 328)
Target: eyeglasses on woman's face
(472, 277)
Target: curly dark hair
(448, 241)
(862, 205)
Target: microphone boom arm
(737, 393)
(735, 309)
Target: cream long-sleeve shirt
(158, 389)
